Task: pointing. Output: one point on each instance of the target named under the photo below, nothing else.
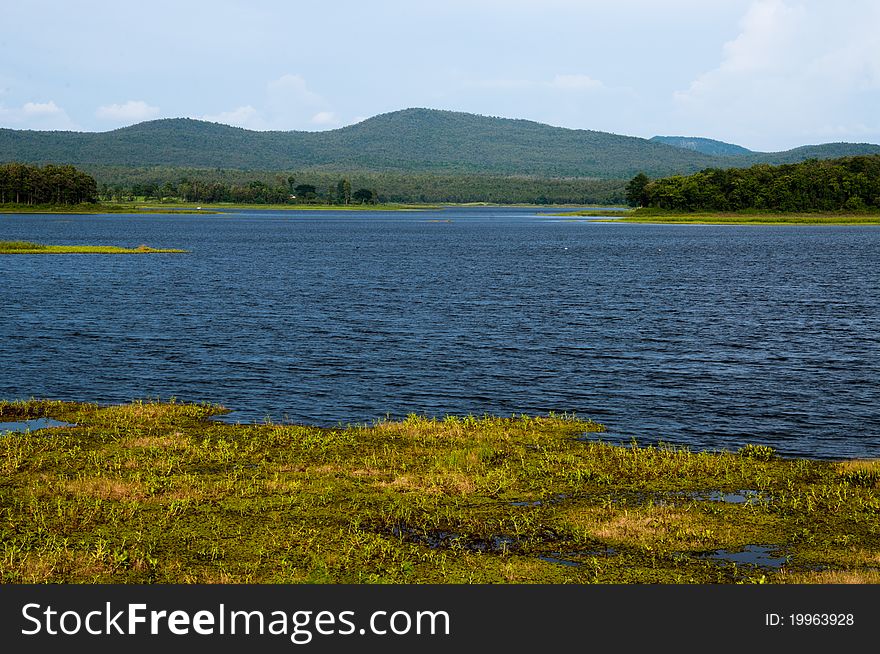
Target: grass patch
(208, 207)
(657, 216)
(156, 492)
(203, 208)
(26, 247)
(88, 209)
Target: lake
(704, 336)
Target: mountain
(706, 146)
(411, 140)
(745, 157)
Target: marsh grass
(156, 492)
(26, 247)
(20, 245)
(659, 216)
(207, 207)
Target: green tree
(305, 191)
(635, 190)
(52, 184)
(343, 191)
(363, 195)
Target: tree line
(52, 184)
(64, 184)
(845, 184)
(127, 183)
(280, 189)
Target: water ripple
(706, 337)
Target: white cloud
(293, 88)
(37, 116)
(288, 104)
(133, 111)
(766, 49)
(793, 69)
(246, 116)
(41, 109)
(325, 118)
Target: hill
(746, 157)
(410, 141)
(706, 146)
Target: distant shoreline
(207, 208)
(653, 217)
(192, 208)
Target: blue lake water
(705, 336)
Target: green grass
(201, 208)
(153, 492)
(26, 247)
(733, 218)
(207, 207)
(84, 209)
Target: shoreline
(220, 208)
(207, 208)
(721, 218)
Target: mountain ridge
(704, 145)
(417, 140)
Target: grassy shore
(89, 209)
(732, 218)
(153, 492)
(204, 208)
(26, 247)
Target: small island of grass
(26, 247)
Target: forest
(50, 184)
(165, 183)
(845, 184)
(63, 184)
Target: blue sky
(766, 74)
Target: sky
(765, 74)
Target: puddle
(760, 556)
(574, 559)
(745, 496)
(553, 557)
(25, 426)
(556, 499)
(447, 539)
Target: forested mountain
(706, 146)
(408, 141)
(736, 155)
